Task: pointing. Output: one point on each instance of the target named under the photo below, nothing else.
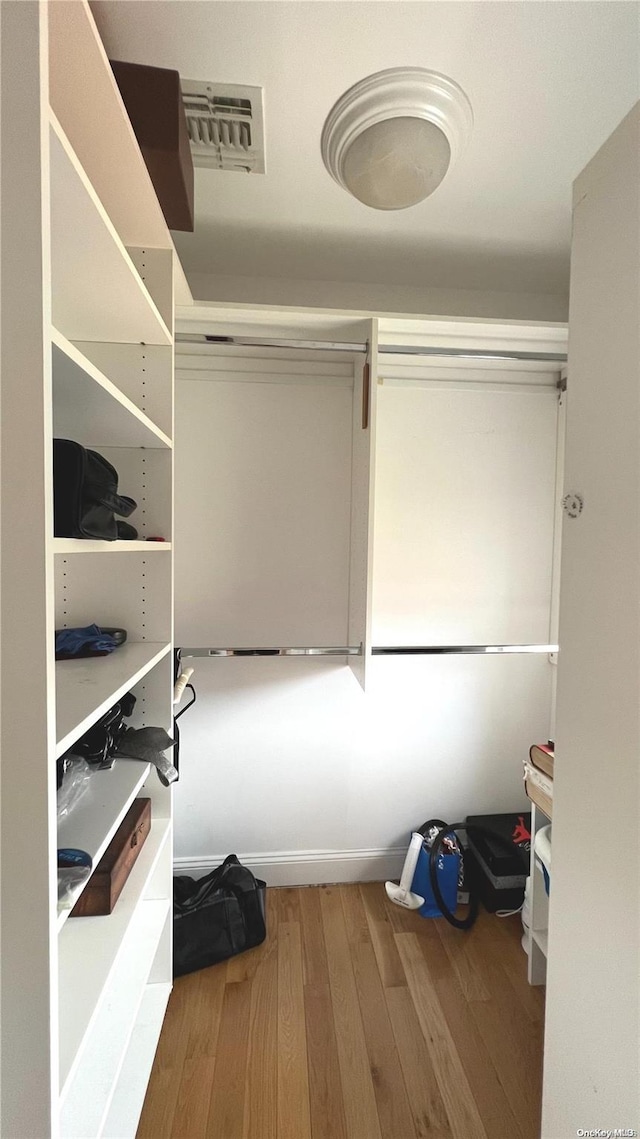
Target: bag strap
(119, 503)
(208, 885)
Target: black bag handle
(119, 503)
(208, 885)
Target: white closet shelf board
(101, 546)
(474, 335)
(97, 954)
(90, 1092)
(78, 62)
(86, 247)
(343, 324)
(89, 408)
(128, 1098)
(263, 320)
(95, 819)
(87, 688)
(541, 938)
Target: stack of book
(538, 777)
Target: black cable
(444, 830)
(177, 669)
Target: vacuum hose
(444, 831)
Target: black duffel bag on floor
(217, 916)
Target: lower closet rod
(386, 650)
(442, 650)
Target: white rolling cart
(538, 933)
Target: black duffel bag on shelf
(217, 916)
(85, 495)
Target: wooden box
(153, 99)
(108, 879)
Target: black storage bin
(498, 875)
(217, 916)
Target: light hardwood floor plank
(226, 1111)
(294, 1118)
(394, 1112)
(458, 944)
(156, 1121)
(386, 951)
(204, 1011)
(460, 1105)
(429, 1115)
(326, 1096)
(316, 970)
(493, 1105)
(360, 1102)
(355, 915)
(261, 1090)
(507, 938)
(512, 1040)
(286, 903)
(192, 1108)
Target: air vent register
(225, 124)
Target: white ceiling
(548, 82)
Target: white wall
(379, 297)
(592, 1044)
(288, 763)
(285, 761)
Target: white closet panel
(263, 507)
(465, 491)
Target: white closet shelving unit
(88, 279)
(286, 437)
(299, 477)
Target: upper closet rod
(383, 349)
(387, 650)
(343, 650)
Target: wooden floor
(355, 1020)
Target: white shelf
(128, 1099)
(85, 689)
(541, 938)
(78, 62)
(100, 546)
(97, 291)
(96, 818)
(90, 1093)
(90, 409)
(98, 957)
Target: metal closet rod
(363, 348)
(384, 650)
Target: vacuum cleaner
(440, 833)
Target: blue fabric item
(448, 869)
(74, 640)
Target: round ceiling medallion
(391, 138)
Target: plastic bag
(74, 870)
(76, 779)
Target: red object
(155, 539)
(520, 832)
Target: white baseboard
(307, 867)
